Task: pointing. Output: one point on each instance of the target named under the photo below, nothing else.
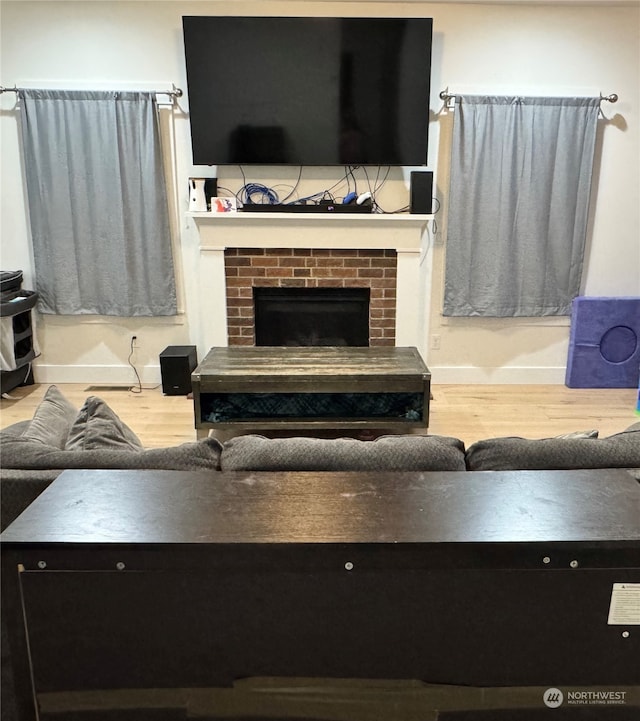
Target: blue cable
(266, 195)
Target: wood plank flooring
(468, 412)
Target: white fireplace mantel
(398, 231)
(404, 233)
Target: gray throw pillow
(621, 450)
(98, 427)
(52, 419)
(387, 453)
(29, 455)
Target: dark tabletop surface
(105, 506)
(314, 361)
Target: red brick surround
(246, 268)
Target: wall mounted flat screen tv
(308, 91)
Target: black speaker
(177, 362)
(421, 189)
(210, 189)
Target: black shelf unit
(18, 342)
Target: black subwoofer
(177, 362)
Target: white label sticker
(625, 605)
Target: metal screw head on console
(348, 565)
(574, 564)
(120, 566)
(42, 564)
(546, 559)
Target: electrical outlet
(435, 341)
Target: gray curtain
(97, 203)
(520, 184)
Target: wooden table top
(502, 507)
(312, 362)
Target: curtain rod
(174, 93)
(447, 96)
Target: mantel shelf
(309, 219)
(400, 231)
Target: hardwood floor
(531, 411)
(468, 412)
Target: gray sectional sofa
(61, 436)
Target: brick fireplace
(389, 254)
(249, 268)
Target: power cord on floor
(133, 389)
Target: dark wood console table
(244, 388)
(320, 595)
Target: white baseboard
(454, 375)
(96, 374)
(471, 375)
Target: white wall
(526, 49)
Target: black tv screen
(308, 91)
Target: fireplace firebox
(311, 316)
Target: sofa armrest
(19, 488)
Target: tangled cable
(257, 193)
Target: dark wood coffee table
(159, 589)
(244, 388)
